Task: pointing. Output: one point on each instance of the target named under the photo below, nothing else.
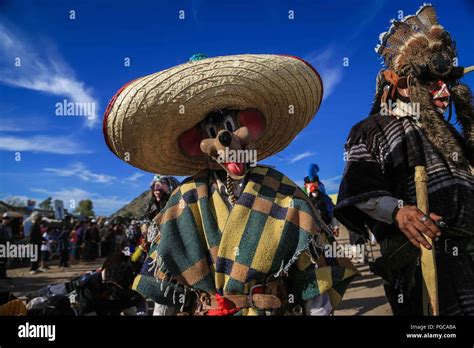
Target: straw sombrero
(145, 117)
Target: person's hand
(335, 231)
(414, 224)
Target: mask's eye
(229, 123)
(211, 131)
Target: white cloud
(329, 66)
(41, 70)
(57, 145)
(103, 205)
(300, 156)
(10, 125)
(21, 123)
(80, 170)
(133, 178)
(332, 184)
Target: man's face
(159, 188)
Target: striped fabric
(382, 153)
(272, 229)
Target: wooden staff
(428, 260)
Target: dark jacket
(36, 236)
(101, 298)
(5, 233)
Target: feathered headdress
(418, 51)
(419, 46)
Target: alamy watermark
(354, 252)
(21, 251)
(400, 109)
(69, 108)
(238, 156)
(28, 330)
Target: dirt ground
(365, 295)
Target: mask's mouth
(229, 151)
(159, 194)
(441, 103)
(440, 92)
(234, 168)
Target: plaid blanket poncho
(204, 246)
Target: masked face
(311, 187)
(438, 89)
(160, 190)
(440, 94)
(226, 137)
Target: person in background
(108, 292)
(27, 227)
(35, 239)
(120, 238)
(144, 232)
(5, 236)
(322, 202)
(133, 234)
(73, 242)
(63, 247)
(95, 240)
(79, 232)
(46, 242)
(161, 189)
(106, 236)
(88, 239)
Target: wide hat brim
(144, 119)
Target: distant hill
(135, 208)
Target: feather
(427, 15)
(394, 42)
(388, 55)
(313, 170)
(402, 31)
(436, 33)
(416, 24)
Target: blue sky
(82, 59)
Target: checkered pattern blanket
(273, 230)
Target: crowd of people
(103, 291)
(82, 240)
(85, 240)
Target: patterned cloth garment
(272, 231)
